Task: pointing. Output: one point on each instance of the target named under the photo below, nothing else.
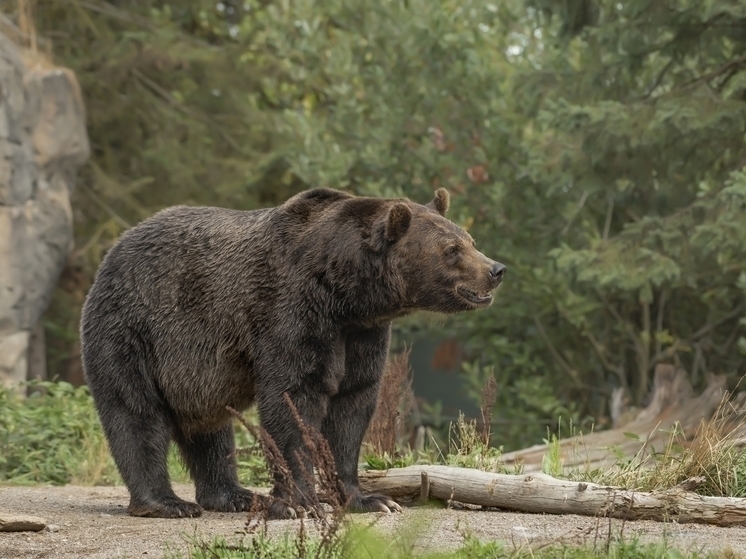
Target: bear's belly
(198, 396)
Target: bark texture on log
(540, 493)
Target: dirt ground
(91, 522)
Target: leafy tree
(595, 147)
(168, 120)
(640, 120)
(631, 193)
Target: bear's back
(180, 256)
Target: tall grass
(712, 463)
(468, 447)
(54, 436)
(388, 425)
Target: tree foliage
(638, 123)
(596, 147)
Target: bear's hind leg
(211, 460)
(139, 444)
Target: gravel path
(92, 523)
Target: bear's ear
(441, 201)
(397, 222)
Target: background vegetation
(594, 146)
(54, 437)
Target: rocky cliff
(43, 143)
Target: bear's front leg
(351, 410)
(295, 496)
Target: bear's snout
(497, 273)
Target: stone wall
(43, 144)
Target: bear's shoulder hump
(314, 200)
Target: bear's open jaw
(473, 297)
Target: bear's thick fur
(196, 309)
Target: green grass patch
(366, 543)
(467, 447)
(54, 437)
(257, 547)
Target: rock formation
(43, 143)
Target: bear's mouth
(477, 299)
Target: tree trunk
(540, 493)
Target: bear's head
(413, 258)
(437, 261)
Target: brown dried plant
(394, 405)
(317, 451)
(489, 395)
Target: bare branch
(659, 79)
(601, 353)
(581, 203)
(659, 321)
(710, 327)
(706, 78)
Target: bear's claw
(393, 506)
(374, 503)
(170, 507)
(236, 499)
(280, 510)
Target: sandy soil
(91, 522)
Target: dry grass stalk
(710, 463)
(714, 452)
(315, 449)
(279, 469)
(20, 28)
(489, 395)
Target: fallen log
(540, 493)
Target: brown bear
(197, 308)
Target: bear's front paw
(282, 510)
(373, 503)
(167, 507)
(236, 499)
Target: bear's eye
(452, 250)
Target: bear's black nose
(497, 273)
